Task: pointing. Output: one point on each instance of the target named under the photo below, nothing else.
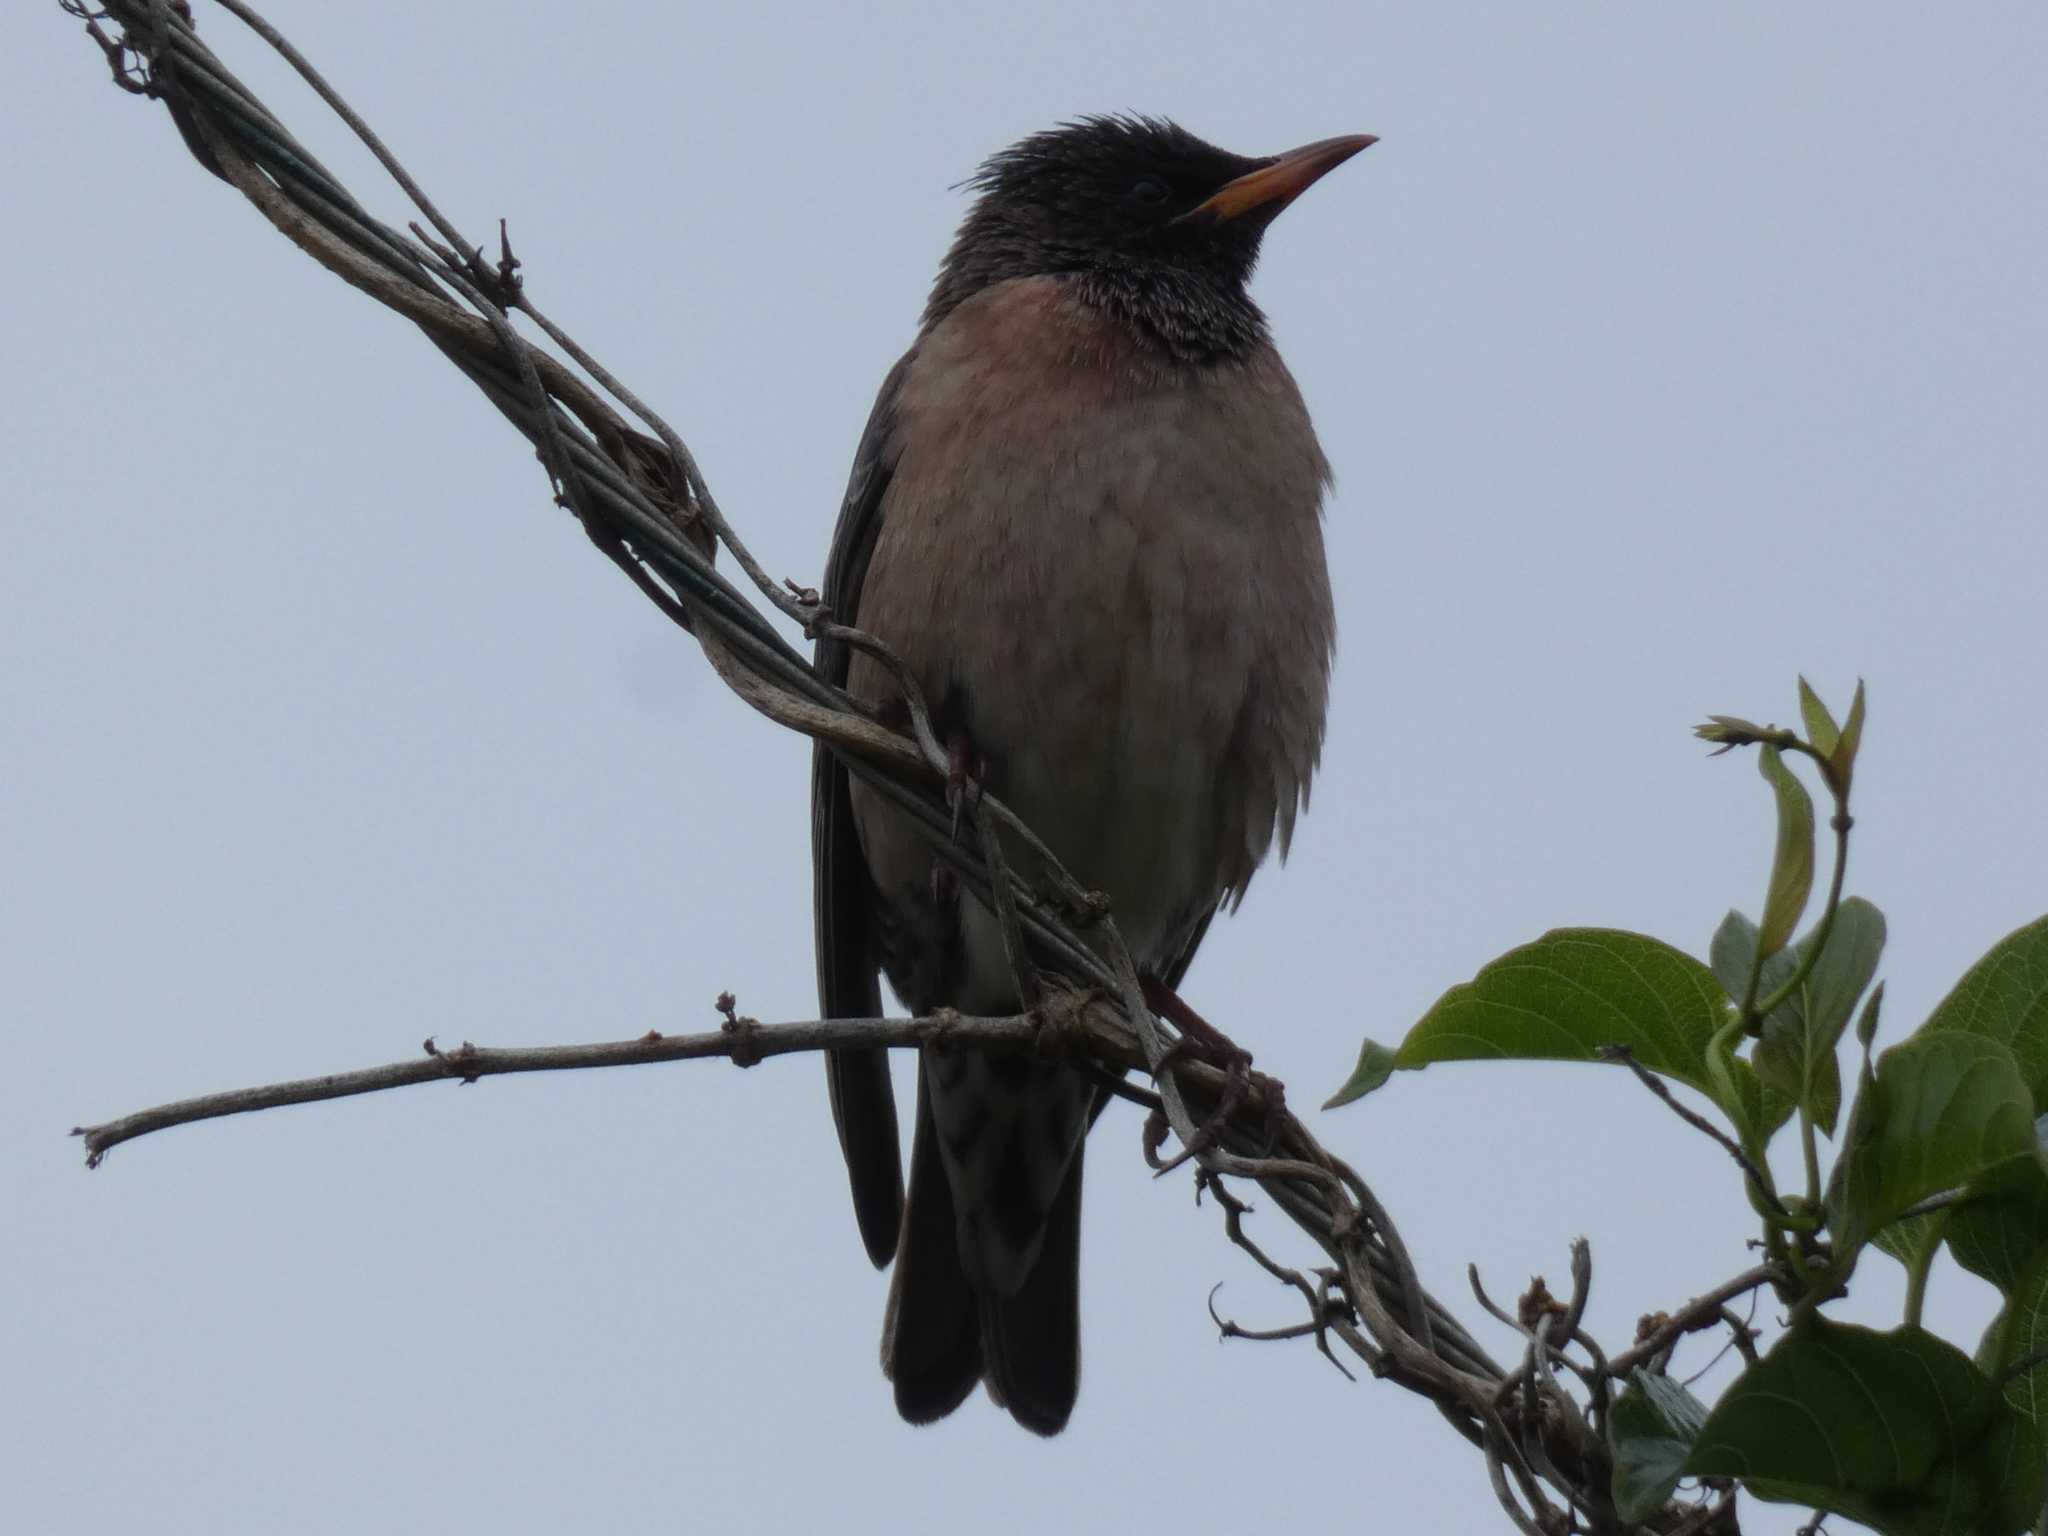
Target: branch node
(742, 1031)
(457, 1063)
(1537, 1303)
(502, 282)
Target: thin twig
(2022, 1366)
(1701, 1312)
(467, 1063)
(1721, 1510)
(1930, 1205)
(1699, 1122)
(1496, 1471)
(1227, 1328)
(1234, 1212)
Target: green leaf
(1842, 756)
(1797, 1053)
(1653, 1425)
(2019, 1332)
(1810, 1078)
(1577, 989)
(2015, 1336)
(1730, 731)
(1898, 1430)
(2011, 1467)
(1821, 731)
(1866, 1022)
(2004, 997)
(1830, 992)
(1732, 954)
(1792, 864)
(1912, 1239)
(2003, 1222)
(1938, 1111)
(2015, 1463)
(1375, 1066)
(1908, 1241)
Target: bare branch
(743, 1041)
(1317, 1296)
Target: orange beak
(1282, 179)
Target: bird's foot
(1204, 1042)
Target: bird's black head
(1155, 225)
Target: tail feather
(864, 1109)
(941, 1335)
(931, 1333)
(1031, 1341)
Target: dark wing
(863, 1097)
(1186, 955)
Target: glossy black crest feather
(1102, 201)
(1106, 131)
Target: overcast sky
(1662, 353)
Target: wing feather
(863, 1097)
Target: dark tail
(940, 1338)
(931, 1338)
(1031, 1343)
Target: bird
(1086, 514)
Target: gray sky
(1662, 353)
